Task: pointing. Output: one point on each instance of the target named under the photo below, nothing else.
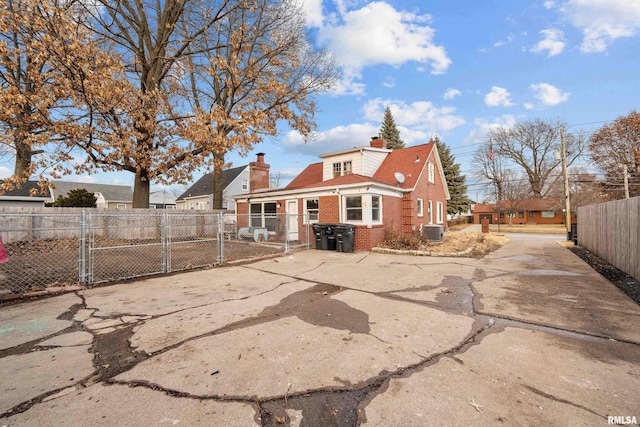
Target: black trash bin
(345, 237)
(325, 239)
(574, 232)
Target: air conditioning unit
(433, 233)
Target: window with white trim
(346, 168)
(440, 213)
(312, 210)
(337, 169)
(245, 184)
(548, 214)
(420, 207)
(121, 206)
(264, 215)
(353, 206)
(430, 211)
(432, 173)
(375, 208)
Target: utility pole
(567, 204)
(626, 182)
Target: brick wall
(329, 209)
(259, 174)
(366, 238)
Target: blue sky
(457, 69)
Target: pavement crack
(560, 400)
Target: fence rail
(98, 246)
(612, 232)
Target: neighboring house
(528, 211)
(25, 197)
(107, 196)
(162, 200)
(376, 189)
(238, 180)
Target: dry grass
(454, 242)
(529, 228)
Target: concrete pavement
(528, 335)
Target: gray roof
(111, 193)
(25, 191)
(204, 186)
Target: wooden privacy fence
(612, 232)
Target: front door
(292, 220)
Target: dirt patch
(622, 280)
(458, 242)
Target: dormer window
(342, 168)
(337, 170)
(346, 168)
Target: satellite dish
(399, 177)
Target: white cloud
(552, 42)
(421, 115)
(389, 82)
(483, 126)
(549, 4)
(548, 94)
(509, 40)
(498, 97)
(602, 21)
(5, 172)
(379, 34)
(337, 138)
(528, 105)
(313, 10)
(451, 93)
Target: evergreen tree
(389, 131)
(77, 198)
(459, 201)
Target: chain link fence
(90, 247)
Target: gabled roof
(204, 186)
(25, 191)
(484, 208)
(408, 161)
(111, 193)
(310, 175)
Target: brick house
(371, 187)
(528, 211)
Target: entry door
(292, 219)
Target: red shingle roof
(484, 208)
(408, 161)
(310, 175)
(531, 205)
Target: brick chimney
(258, 174)
(377, 142)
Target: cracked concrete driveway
(528, 335)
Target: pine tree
(459, 201)
(389, 131)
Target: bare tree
(265, 71)
(532, 146)
(490, 169)
(615, 145)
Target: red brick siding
(390, 217)
(329, 209)
(366, 238)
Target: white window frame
(121, 206)
(337, 169)
(360, 208)
(430, 211)
(347, 167)
(432, 173)
(420, 209)
(307, 217)
(379, 220)
(245, 184)
(440, 212)
(548, 214)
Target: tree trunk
(217, 182)
(141, 188)
(23, 159)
